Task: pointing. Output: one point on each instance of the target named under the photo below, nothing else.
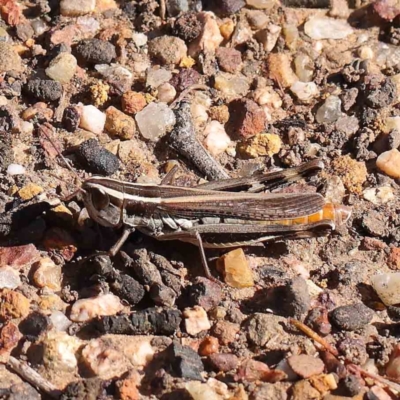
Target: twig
(183, 140)
(64, 101)
(185, 93)
(313, 335)
(163, 9)
(355, 368)
(33, 377)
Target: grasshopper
(214, 215)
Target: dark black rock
(204, 293)
(350, 386)
(164, 322)
(44, 89)
(95, 51)
(128, 289)
(187, 27)
(34, 324)
(351, 317)
(296, 301)
(149, 321)
(185, 362)
(71, 119)
(97, 159)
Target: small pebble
(229, 59)
(117, 76)
(196, 320)
(71, 118)
(139, 38)
(231, 85)
(155, 120)
(95, 51)
(44, 89)
(305, 365)
(235, 269)
(389, 163)
(201, 391)
(166, 93)
(29, 191)
(280, 70)
(9, 278)
(47, 274)
(185, 362)
(226, 332)
(86, 309)
(92, 119)
(327, 28)
(305, 91)
(380, 195)
(204, 293)
(296, 298)
(261, 4)
(261, 328)
(9, 58)
(387, 286)
(133, 102)
(304, 67)
(157, 76)
(223, 362)
(128, 289)
(59, 321)
(330, 111)
(75, 8)
(168, 49)
(119, 124)
(16, 169)
(209, 346)
(62, 68)
(247, 119)
(352, 317)
(19, 257)
(265, 144)
(13, 305)
(34, 324)
(217, 140)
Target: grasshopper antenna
(47, 136)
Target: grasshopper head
(102, 206)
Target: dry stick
(384, 381)
(34, 378)
(183, 140)
(196, 86)
(313, 335)
(64, 101)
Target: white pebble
(304, 91)
(196, 320)
(327, 28)
(16, 169)
(92, 119)
(379, 196)
(87, 309)
(389, 163)
(140, 39)
(59, 321)
(217, 141)
(387, 286)
(166, 93)
(9, 278)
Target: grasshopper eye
(100, 199)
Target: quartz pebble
(62, 68)
(47, 274)
(9, 278)
(389, 163)
(387, 286)
(327, 28)
(59, 321)
(305, 91)
(210, 37)
(217, 140)
(166, 93)
(60, 351)
(231, 85)
(16, 169)
(196, 320)
(261, 4)
(380, 195)
(155, 120)
(119, 124)
(267, 96)
(280, 70)
(86, 309)
(157, 76)
(304, 67)
(74, 8)
(92, 119)
(236, 270)
(140, 39)
(330, 111)
(201, 391)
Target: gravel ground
(132, 90)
